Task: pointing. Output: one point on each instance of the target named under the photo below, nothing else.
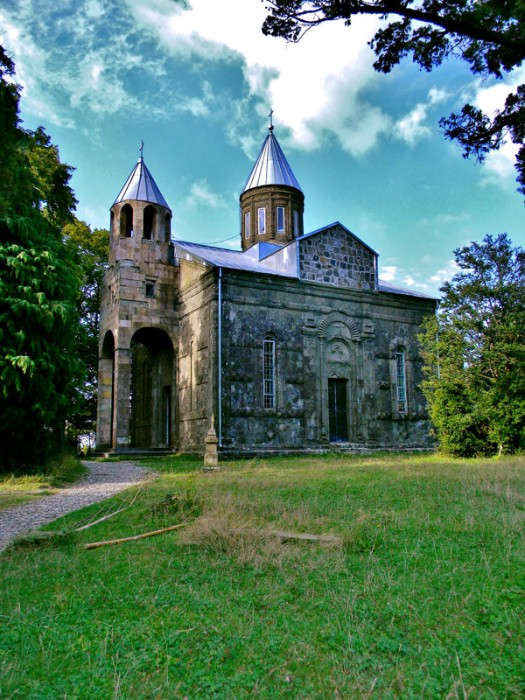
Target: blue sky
(196, 79)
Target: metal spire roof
(271, 167)
(141, 186)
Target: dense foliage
(39, 287)
(89, 249)
(475, 352)
(489, 35)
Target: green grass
(424, 599)
(16, 489)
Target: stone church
(291, 343)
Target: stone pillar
(121, 397)
(105, 402)
(325, 428)
(211, 458)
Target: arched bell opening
(126, 221)
(150, 223)
(152, 389)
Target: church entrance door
(338, 410)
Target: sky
(196, 79)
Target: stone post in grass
(211, 458)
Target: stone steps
(134, 452)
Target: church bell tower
(138, 321)
(272, 202)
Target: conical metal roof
(141, 186)
(271, 167)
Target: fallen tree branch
(101, 520)
(108, 515)
(105, 543)
(284, 536)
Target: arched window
(150, 223)
(126, 221)
(268, 372)
(401, 381)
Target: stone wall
(335, 256)
(320, 334)
(196, 385)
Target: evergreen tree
(475, 352)
(38, 288)
(90, 250)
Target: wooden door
(338, 410)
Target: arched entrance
(152, 389)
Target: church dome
(272, 202)
(271, 167)
(140, 186)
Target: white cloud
(412, 127)
(201, 195)
(388, 273)
(445, 274)
(314, 86)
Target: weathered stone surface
(335, 256)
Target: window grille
(269, 373)
(401, 385)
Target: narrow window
(280, 219)
(247, 224)
(150, 290)
(268, 373)
(262, 219)
(401, 385)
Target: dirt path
(104, 480)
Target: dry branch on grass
(278, 534)
(105, 543)
(285, 536)
(101, 520)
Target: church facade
(291, 343)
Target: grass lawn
(425, 598)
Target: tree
(90, 251)
(38, 287)
(489, 35)
(474, 352)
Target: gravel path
(104, 480)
